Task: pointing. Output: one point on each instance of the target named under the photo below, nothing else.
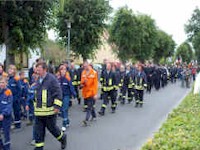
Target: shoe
(101, 113)
(68, 125)
(79, 101)
(93, 119)
(64, 141)
(136, 104)
(64, 129)
(33, 143)
(85, 123)
(113, 111)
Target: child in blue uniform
(6, 100)
(24, 87)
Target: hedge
(181, 131)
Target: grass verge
(181, 131)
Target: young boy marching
(6, 100)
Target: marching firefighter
(67, 91)
(15, 86)
(6, 100)
(48, 101)
(140, 85)
(108, 86)
(75, 81)
(121, 82)
(89, 86)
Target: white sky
(170, 15)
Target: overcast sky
(170, 15)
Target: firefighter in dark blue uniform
(127, 85)
(6, 100)
(149, 73)
(108, 79)
(48, 101)
(15, 86)
(121, 82)
(140, 84)
(75, 81)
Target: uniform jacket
(48, 96)
(89, 83)
(24, 86)
(108, 81)
(6, 100)
(140, 80)
(15, 86)
(74, 77)
(66, 85)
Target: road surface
(127, 129)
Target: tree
(133, 35)
(88, 22)
(23, 25)
(193, 32)
(164, 48)
(184, 51)
(122, 33)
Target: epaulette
(17, 78)
(67, 76)
(5, 74)
(8, 92)
(25, 81)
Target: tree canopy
(184, 51)
(137, 37)
(23, 25)
(88, 23)
(192, 28)
(165, 46)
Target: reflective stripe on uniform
(104, 106)
(58, 102)
(61, 134)
(39, 144)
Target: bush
(181, 131)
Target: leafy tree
(88, 22)
(185, 52)
(23, 25)
(133, 35)
(122, 33)
(164, 48)
(193, 31)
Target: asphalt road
(127, 129)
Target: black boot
(79, 101)
(64, 141)
(101, 112)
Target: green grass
(181, 131)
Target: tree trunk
(10, 58)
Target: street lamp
(68, 39)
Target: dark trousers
(40, 125)
(106, 96)
(130, 91)
(17, 113)
(139, 96)
(5, 138)
(90, 110)
(77, 94)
